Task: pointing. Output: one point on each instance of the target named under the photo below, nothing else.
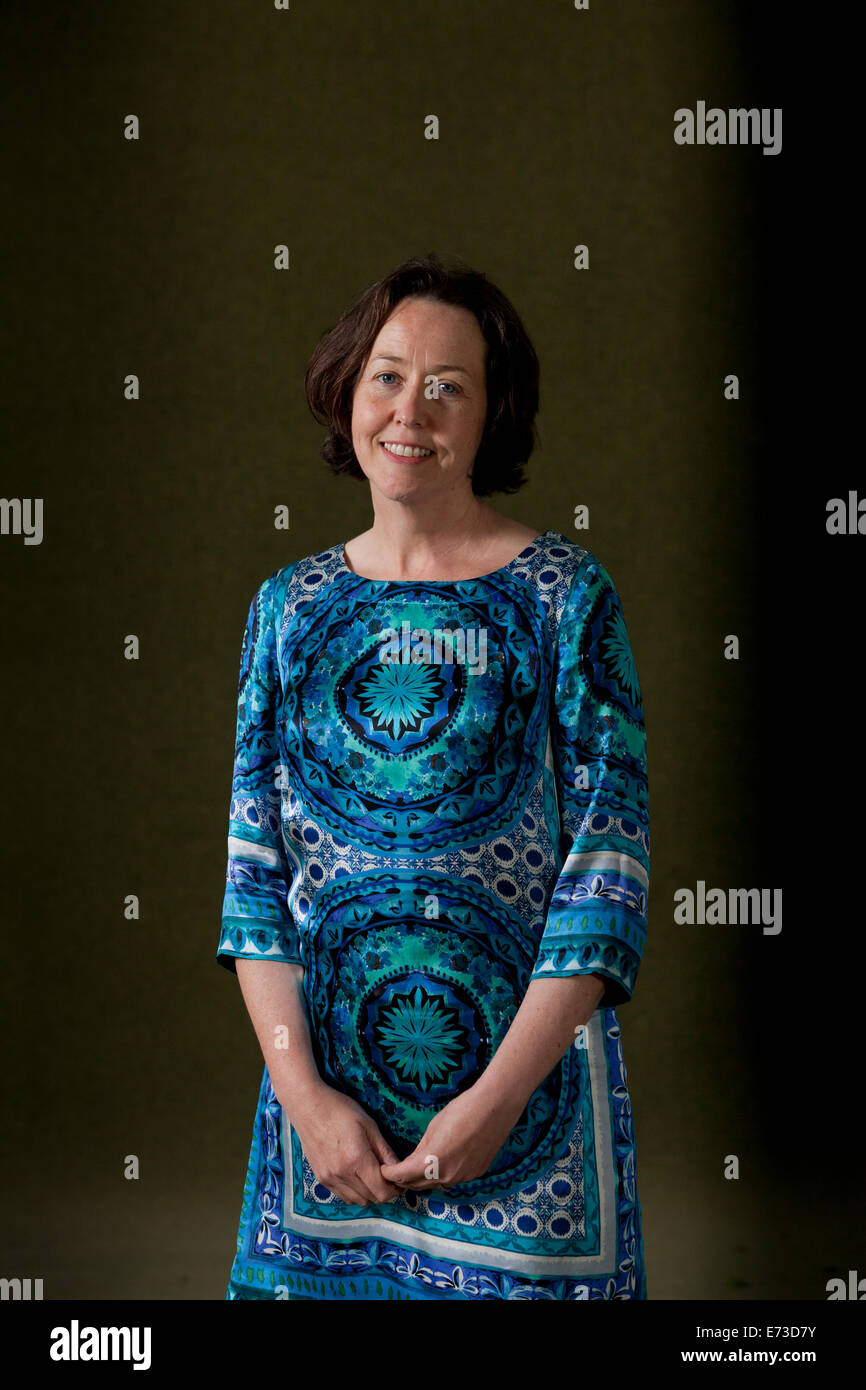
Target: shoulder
(575, 587)
(296, 583)
(562, 572)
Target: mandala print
(413, 756)
(395, 707)
(400, 696)
(420, 1038)
(409, 1009)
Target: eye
(447, 388)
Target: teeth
(403, 451)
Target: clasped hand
(458, 1145)
(351, 1157)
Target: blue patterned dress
(439, 794)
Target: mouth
(405, 451)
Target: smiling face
(423, 386)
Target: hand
(344, 1147)
(459, 1144)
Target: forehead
(429, 327)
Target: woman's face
(422, 384)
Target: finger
(352, 1187)
(380, 1189)
(349, 1191)
(393, 1173)
(403, 1174)
(380, 1146)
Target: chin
(400, 492)
(397, 489)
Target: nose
(412, 404)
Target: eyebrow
(443, 366)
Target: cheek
(361, 435)
(365, 420)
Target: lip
(397, 457)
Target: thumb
(404, 1172)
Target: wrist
(299, 1094)
(498, 1102)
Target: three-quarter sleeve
(596, 920)
(257, 923)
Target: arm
(259, 940)
(341, 1141)
(541, 1032)
(274, 996)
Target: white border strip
(251, 849)
(624, 864)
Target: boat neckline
(469, 579)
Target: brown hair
(512, 369)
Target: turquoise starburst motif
(399, 696)
(420, 1037)
(618, 656)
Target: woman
(438, 849)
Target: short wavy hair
(512, 370)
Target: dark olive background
(155, 257)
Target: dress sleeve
(596, 920)
(257, 923)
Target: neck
(436, 529)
